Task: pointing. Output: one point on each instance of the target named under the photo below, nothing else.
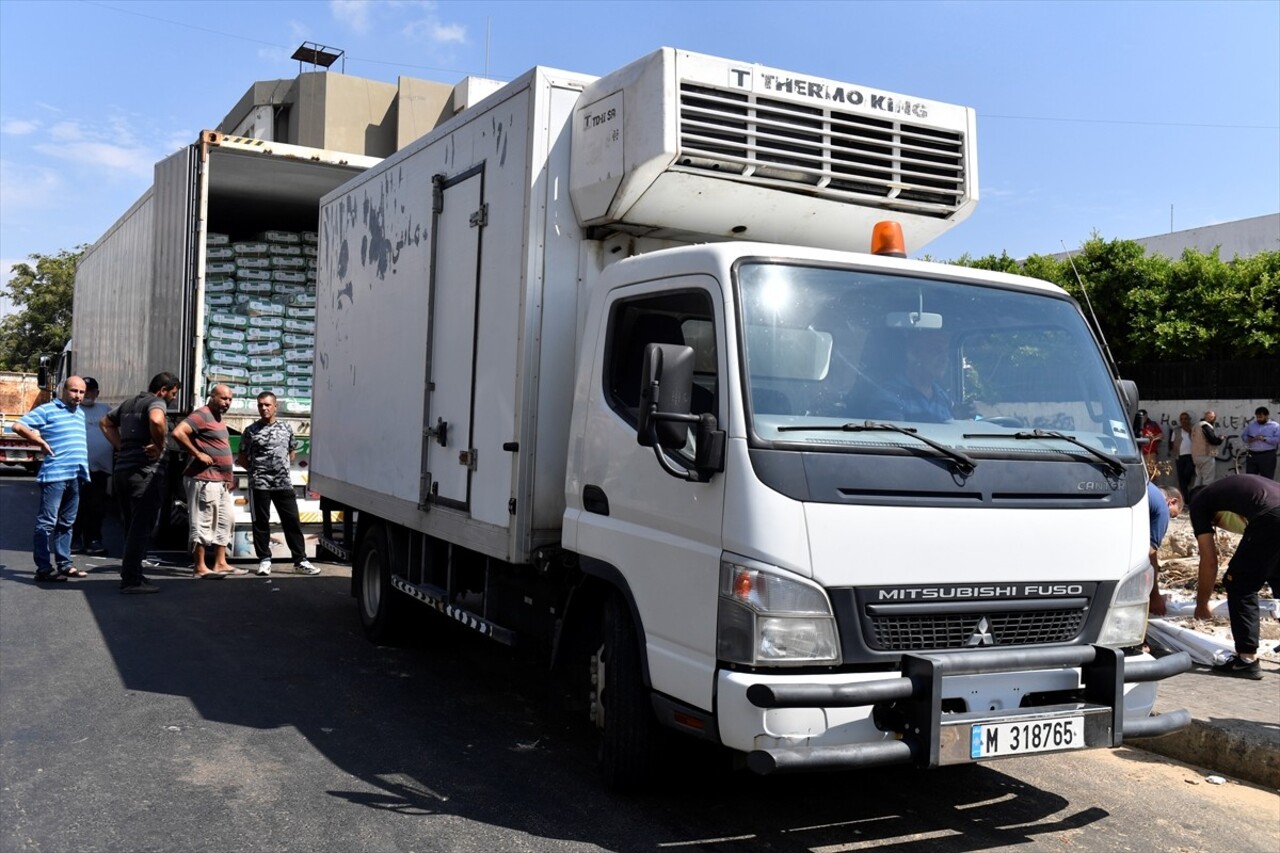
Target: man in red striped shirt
(209, 480)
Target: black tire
(376, 599)
(628, 731)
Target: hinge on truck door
(468, 458)
(437, 193)
(480, 218)
(426, 491)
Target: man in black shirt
(137, 429)
(1255, 502)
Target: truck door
(448, 458)
(661, 534)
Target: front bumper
(794, 723)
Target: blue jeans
(59, 501)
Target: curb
(1229, 747)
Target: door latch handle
(440, 432)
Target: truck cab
(898, 449)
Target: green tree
(1196, 308)
(42, 292)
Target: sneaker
(264, 568)
(96, 549)
(139, 588)
(305, 568)
(1237, 668)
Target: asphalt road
(247, 714)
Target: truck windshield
(976, 367)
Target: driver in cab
(916, 393)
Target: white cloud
(27, 187)
(352, 13)
(66, 131)
(134, 160)
(19, 127)
(275, 55)
(432, 30)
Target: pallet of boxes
(260, 312)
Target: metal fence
(1206, 380)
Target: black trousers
(286, 504)
(141, 494)
(93, 507)
(1185, 468)
(1256, 561)
(1260, 462)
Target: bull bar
(931, 739)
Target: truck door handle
(440, 432)
(595, 500)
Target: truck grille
(957, 631)
(821, 151)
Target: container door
(448, 453)
(171, 311)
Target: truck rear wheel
(621, 707)
(375, 596)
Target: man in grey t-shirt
(267, 449)
(137, 429)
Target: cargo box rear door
(448, 454)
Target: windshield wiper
(1112, 464)
(963, 462)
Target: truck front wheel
(621, 706)
(374, 593)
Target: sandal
(73, 572)
(50, 577)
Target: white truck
(600, 369)
(197, 278)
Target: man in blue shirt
(58, 427)
(1261, 437)
(1163, 503)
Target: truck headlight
(1126, 623)
(770, 617)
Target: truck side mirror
(42, 373)
(1129, 397)
(666, 393)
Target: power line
(1134, 121)
(265, 43)
(393, 64)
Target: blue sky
(1092, 116)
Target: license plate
(16, 455)
(998, 739)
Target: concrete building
(1241, 238)
(338, 112)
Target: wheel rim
(371, 586)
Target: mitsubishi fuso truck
(211, 275)
(634, 370)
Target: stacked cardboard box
(260, 311)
